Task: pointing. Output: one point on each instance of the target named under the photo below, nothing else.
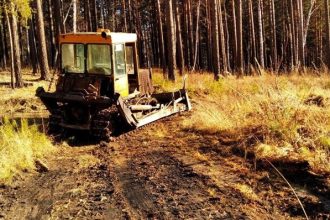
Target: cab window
(129, 59)
(119, 61)
(98, 59)
(73, 58)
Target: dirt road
(161, 172)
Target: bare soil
(163, 172)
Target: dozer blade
(169, 104)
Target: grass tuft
(247, 192)
(20, 147)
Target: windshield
(73, 58)
(99, 59)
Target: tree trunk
(215, 38)
(94, 14)
(327, 28)
(114, 16)
(11, 46)
(3, 46)
(125, 15)
(101, 2)
(42, 43)
(130, 16)
(306, 25)
(20, 33)
(16, 49)
(74, 15)
(170, 40)
(190, 34)
(196, 35)
(260, 37)
(292, 35)
(234, 43)
(87, 15)
(252, 34)
(209, 36)
(28, 49)
(222, 40)
(53, 48)
(227, 37)
(301, 47)
(161, 37)
(273, 31)
(239, 32)
(139, 32)
(33, 47)
(59, 27)
(179, 38)
(186, 33)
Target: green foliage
(23, 8)
(19, 8)
(325, 142)
(20, 146)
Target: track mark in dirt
(157, 185)
(137, 197)
(165, 173)
(77, 185)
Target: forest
(164, 109)
(229, 37)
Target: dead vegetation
(21, 100)
(273, 117)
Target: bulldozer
(101, 89)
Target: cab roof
(105, 37)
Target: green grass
(291, 128)
(20, 147)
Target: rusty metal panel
(84, 39)
(145, 83)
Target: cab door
(120, 76)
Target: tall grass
(291, 127)
(20, 147)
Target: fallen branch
(294, 192)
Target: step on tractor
(100, 88)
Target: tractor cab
(108, 61)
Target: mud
(162, 172)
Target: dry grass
(22, 100)
(85, 161)
(22, 93)
(247, 192)
(20, 147)
(200, 157)
(293, 128)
